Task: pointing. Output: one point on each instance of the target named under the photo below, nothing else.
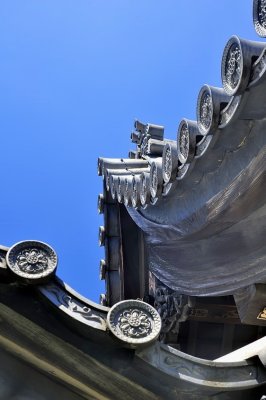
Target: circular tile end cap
(259, 17)
(205, 110)
(134, 322)
(32, 260)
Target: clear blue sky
(74, 75)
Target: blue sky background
(74, 74)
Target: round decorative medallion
(144, 188)
(127, 191)
(183, 142)
(100, 203)
(107, 179)
(113, 186)
(232, 66)
(101, 236)
(259, 17)
(204, 111)
(167, 164)
(32, 260)
(103, 269)
(153, 180)
(135, 191)
(134, 322)
(119, 190)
